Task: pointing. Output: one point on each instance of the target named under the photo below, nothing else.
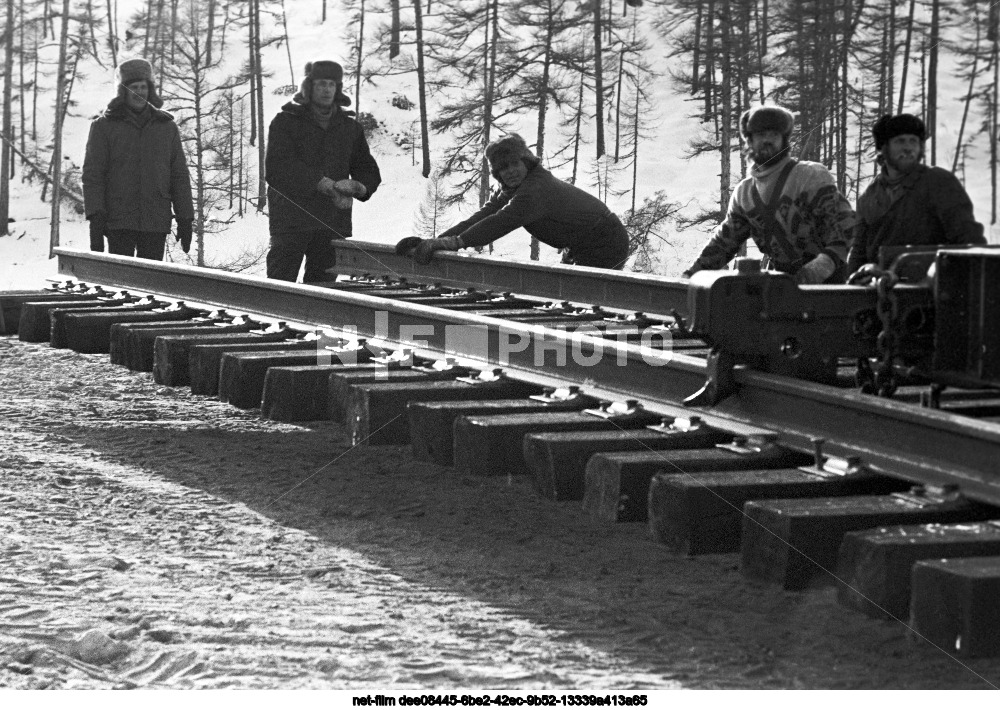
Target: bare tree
(112, 31)
(422, 90)
(58, 130)
(8, 136)
(598, 81)
(257, 91)
(906, 56)
(429, 212)
(932, 71)
(204, 124)
(973, 74)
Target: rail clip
(678, 425)
(749, 445)
(611, 410)
(449, 363)
(557, 394)
(403, 357)
(493, 375)
(945, 496)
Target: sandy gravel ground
(153, 538)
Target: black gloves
(184, 234)
(422, 250)
(405, 246)
(98, 221)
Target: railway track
(585, 371)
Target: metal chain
(887, 343)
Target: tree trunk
(242, 173)
(992, 131)
(859, 148)
(252, 66)
(394, 30)
(361, 54)
(884, 60)
(935, 40)
(543, 89)
(598, 80)
(112, 32)
(7, 138)
(259, 77)
(173, 23)
(422, 91)
(970, 93)
(635, 145)
(709, 61)
(197, 95)
(618, 104)
(288, 42)
(725, 36)
(543, 103)
(906, 57)
(158, 53)
(576, 132)
(844, 97)
(492, 28)
(57, 133)
(763, 36)
(210, 11)
(145, 32)
(890, 59)
(696, 50)
(34, 88)
(23, 126)
(231, 135)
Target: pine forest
(584, 81)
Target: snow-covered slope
(390, 214)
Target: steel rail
(533, 351)
(578, 284)
(924, 446)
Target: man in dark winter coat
(317, 163)
(134, 171)
(909, 203)
(791, 208)
(557, 213)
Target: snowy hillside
(389, 215)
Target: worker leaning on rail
(791, 208)
(555, 212)
(317, 164)
(909, 203)
(134, 171)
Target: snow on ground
(390, 214)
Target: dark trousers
(286, 251)
(129, 242)
(612, 252)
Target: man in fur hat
(557, 213)
(791, 208)
(909, 203)
(135, 176)
(317, 164)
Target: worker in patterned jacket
(317, 164)
(909, 203)
(135, 176)
(791, 208)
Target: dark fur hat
(322, 69)
(511, 147)
(888, 127)
(137, 70)
(766, 118)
